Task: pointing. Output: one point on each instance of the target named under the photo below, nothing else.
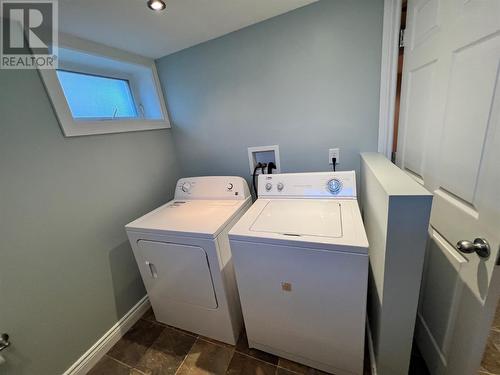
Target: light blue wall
(67, 272)
(307, 80)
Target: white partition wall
(396, 212)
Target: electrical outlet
(333, 153)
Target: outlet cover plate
(333, 153)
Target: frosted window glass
(95, 97)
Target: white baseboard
(371, 351)
(110, 338)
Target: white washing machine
(182, 249)
(301, 260)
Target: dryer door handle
(152, 270)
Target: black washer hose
(258, 166)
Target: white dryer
(301, 260)
(182, 250)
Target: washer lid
(307, 223)
(320, 218)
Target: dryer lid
(199, 218)
(321, 218)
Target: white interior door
(449, 141)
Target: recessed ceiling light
(156, 5)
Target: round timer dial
(334, 186)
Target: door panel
(472, 85)
(441, 290)
(449, 140)
(425, 21)
(176, 272)
(417, 123)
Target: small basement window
(98, 90)
(95, 97)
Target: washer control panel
(216, 187)
(304, 185)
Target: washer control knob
(229, 186)
(186, 186)
(334, 186)
(269, 186)
(280, 186)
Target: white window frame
(77, 127)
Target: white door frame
(389, 74)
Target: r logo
(29, 30)
(35, 20)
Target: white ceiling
(130, 25)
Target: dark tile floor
(491, 358)
(152, 348)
